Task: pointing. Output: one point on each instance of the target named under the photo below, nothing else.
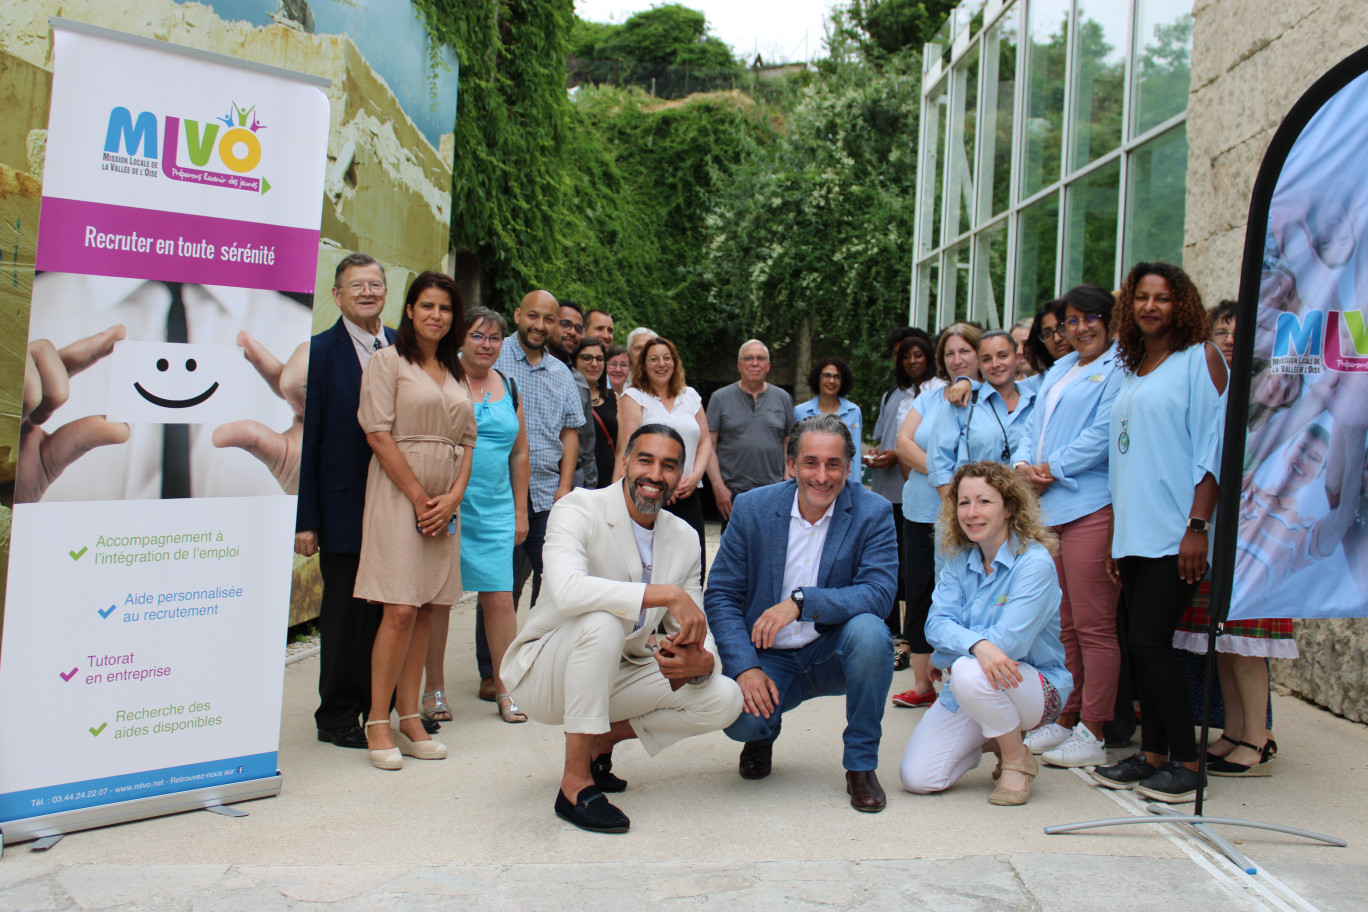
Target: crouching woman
(994, 625)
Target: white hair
(641, 331)
(740, 352)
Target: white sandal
(427, 749)
(389, 758)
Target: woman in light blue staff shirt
(832, 379)
(993, 424)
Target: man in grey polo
(750, 423)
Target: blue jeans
(854, 659)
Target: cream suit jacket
(590, 563)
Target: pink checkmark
(68, 675)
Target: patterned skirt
(1269, 638)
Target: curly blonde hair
(643, 383)
(1190, 323)
(1023, 509)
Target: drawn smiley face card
(181, 383)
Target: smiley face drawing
(163, 365)
(184, 383)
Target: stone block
(1333, 668)
(25, 90)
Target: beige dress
(432, 426)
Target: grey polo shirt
(750, 435)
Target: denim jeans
(854, 659)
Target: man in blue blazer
(796, 602)
(332, 494)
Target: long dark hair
(449, 346)
(590, 342)
(916, 338)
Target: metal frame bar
(940, 248)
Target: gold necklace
(1123, 439)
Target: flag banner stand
(151, 548)
(1291, 536)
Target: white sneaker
(1082, 749)
(1047, 737)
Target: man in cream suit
(589, 658)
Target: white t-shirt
(645, 542)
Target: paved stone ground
(476, 831)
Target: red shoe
(911, 699)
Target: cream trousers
(581, 680)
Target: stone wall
(1251, 61)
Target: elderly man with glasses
(750, 422)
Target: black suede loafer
(756, 760)
(601, 768)
(591, 811)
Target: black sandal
(1212, 758)
(1224, 767)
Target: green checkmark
(96, 731)
(77, 555)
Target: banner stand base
(1199, 823)
(58, 825)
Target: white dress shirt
(366, 342)
(801, 564)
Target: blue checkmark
(106, 612)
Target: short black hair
(665, 431)
(1088, 299)
(896, 336)
(814, 377)
(572, 305)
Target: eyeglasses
(1073, 323)
(358, 287)
(831, 376)
(1222, 335)
(481, 338)
(1048, 332)
(754, 359)
(567, 324)
(592, 359)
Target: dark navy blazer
(335, 457)
(857, 575)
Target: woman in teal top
(832, 379)
(995, 626)
(1164, 455)
(494, 512)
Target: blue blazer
(335, 455)
(858, 572)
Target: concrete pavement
(477, 830)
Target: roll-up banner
(1293, 472)
(150, 559)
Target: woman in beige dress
(419, 422)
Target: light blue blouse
(980, 431)
(1016, 608)
(1173, 420)
(1076, 437)
(920, 502)
(848, 412)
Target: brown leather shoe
(486, 692)
(865, 792)
(756, 759)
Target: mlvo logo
(1318, 336)
(234, 146)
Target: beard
(643, 503)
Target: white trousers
(581, 680)
(945, 745)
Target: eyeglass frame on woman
(1072, 323)
(479, 338)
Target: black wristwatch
(1198, 525)
(797, 596)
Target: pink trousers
(1087, 615)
